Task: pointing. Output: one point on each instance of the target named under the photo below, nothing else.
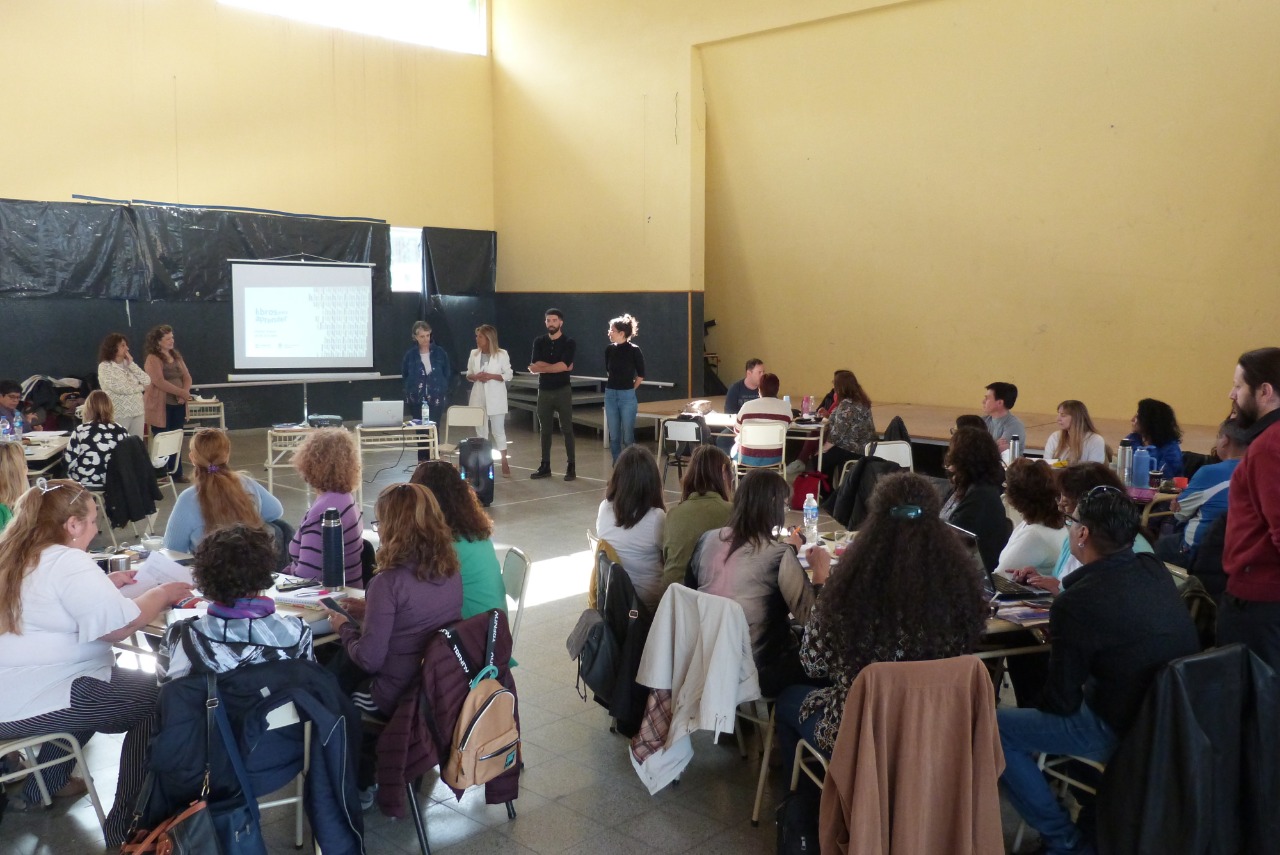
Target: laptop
(382, 414)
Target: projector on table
(319, 421)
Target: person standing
(552, 361)
(624, 363)
(1250, 611)
(489, 370)
(165, 400)
(425, 373)
(123, 381)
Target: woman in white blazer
(489, 370)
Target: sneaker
(543, 471)
(795, 467)
(368, 796)
(570, 475)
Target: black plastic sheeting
(160, 252)
(460, 262)
(69, 249)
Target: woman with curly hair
(1156, 426)
(851, 426)
(123, 381)
(482, 587)
(624, 364)
(1037, 540)
(704, 505)
(632, 517)
(907, 590)
(416, 591)
(165, 398)
(220, 497)
(746, 563)
(329, 462)
(976, 474)
(232, 568)
(1076, 440)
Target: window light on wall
(457, 25)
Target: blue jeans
(620, 407)
(1024, 733)
(791, 729)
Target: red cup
(1180, 482)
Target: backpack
(806, 483)
(486, 740)
(594, 646)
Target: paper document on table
(155, 571)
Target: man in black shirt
(552, 361)
(1118, 620)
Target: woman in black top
(624, 364)
(977, 476)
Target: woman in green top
(704, 505)
(482, 587)
(13, 479)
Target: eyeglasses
(1072, 521)
(374, 525)
(1104, 488)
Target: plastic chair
(515, 578)
(765, 436)
(66, 741)
(896, 450)
(679, 432)
(166, 444)
(460, 417)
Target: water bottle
(1015, 447)
(18, 421)
(6, 432)
(426, 412)
(1124, 461)
(786, 399)
(333, 557)
(806, 406)
(810, 519)
(1141, 473)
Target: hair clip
(906, 512)
(43, 484)
(1104, 488)
(213, 467)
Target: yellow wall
(191, 102)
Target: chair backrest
(462, 417)
(515, 578)
(762, 435)
(674, 430)
(165, 444)
(896, 450)
(686, 616)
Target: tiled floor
(579, 793)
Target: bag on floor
(486, 740)
(806, 483)
(475, 460)
(798, 822)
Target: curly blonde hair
(329, 461)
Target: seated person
(232, 569)
(809, 449)
(1076, 440)
(1118, 621)
(11, 405)
(849, 428)
(746, 389)
(1156, 426)
(329, 462)
(59, 616)
(91, 444)
(219, 497)
(743, 562)
(969, 421)
(1002, 424)
(766, 408)
(482, 585)
(416, 591)
(1037, 541)
(13, 479)
(1204, 499)
(872, 610)
(631, 518)
(704, 505)
(976, 474)
(1074, 483)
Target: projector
(319, 421)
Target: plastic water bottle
(6, 432)
(18, 421)
(1141, 468)
(810, 519)
(332, 553)
(426, 412)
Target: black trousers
(1254, 624)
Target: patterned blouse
(851, 426)
(89, 451)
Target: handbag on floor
(230, 826)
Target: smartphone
(331, 603)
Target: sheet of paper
(156, 570)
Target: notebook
(382, 414)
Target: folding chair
(166, 444)
(515, 578)
(762, 436)
(68, 743)
(679, 432)
(896, 450)
(460, 417)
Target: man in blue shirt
(1204, 499)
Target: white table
(44, 451)
(407, 437)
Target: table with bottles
(43, 450)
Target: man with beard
(552, 361)
(1250, 611)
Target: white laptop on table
(382, 414)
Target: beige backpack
(486, 740)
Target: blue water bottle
(334, 561)
(1141, 468)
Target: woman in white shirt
(1037, 540)
(489, 370)
(632, 517)
(59, 614)
(123, 381)
(1076, 440)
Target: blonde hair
(490, 332)
(37, 524)
(329, 461)
(98, 407)
(13, 472)
(1071, 442)
(220, 491)
(414, 533)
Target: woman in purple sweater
(416, 591)
(329, 462)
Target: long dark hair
(708, 473)
(458, 501)
(758, 508)
(848, 388)
(1157, 423)
(973, 458)
(634, 487)
(876, 597)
